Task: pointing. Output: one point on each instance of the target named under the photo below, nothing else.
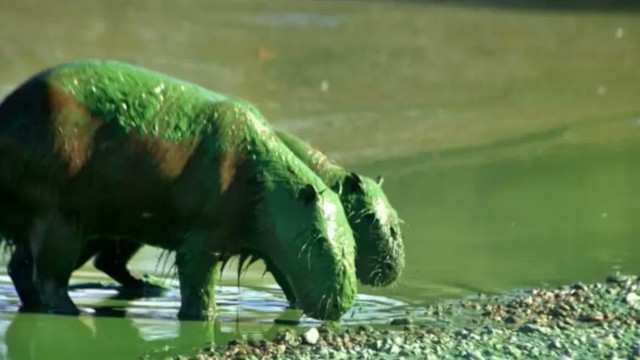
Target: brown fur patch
(73, 128)
(227, 170)
(169, 157)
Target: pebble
(365, 328)
(473, 355)
(631, 298)
(595, 317)
(531, 328)
(400, 321)
(311, 336)
(555, 344)
(511, 319)
(580, 286)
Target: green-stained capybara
(376, 227)
(95, 151)
(375, 223)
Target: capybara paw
(148, 286)
(30, 308)
(44, 309)
(66, 310)
(206, 315)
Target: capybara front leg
(55, 246)
(112, 260)
(198, 268)
(20, 270)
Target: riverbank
(580, 321)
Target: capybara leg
(89, 250)
(113, 258)
(197, 270)
(282, 281)
(55, 245)
(20, 270)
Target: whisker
(326, 309)
(321, 300)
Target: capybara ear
(308, 194)
(352, 183)
(379, 180)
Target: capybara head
(310, 241)
(301, 225)
(376, 226)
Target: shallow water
(111, 326)
(507, 137)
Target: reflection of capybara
(95, 151)
(376, 226)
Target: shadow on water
(544, 5)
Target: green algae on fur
(140, 99)
(380, 254)
(96, 151)
(375, 223)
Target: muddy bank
(580, 321)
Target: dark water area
(599, 6)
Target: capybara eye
(308, 194)
(394, 232)
(370, 217)
(353, 183)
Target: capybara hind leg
(55, 245)
(20, 270)
(282, 281)
(113, 258)
(89, 250)
(197, 270)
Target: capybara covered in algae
(375, 224)
(96, 151)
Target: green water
(507, 136)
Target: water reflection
(106, 335)
(115, 326)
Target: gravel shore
(581, 321)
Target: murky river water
(508, 139)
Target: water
(111, 326)
(507, 136)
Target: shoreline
(580, 321)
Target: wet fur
(381, 253)
(66, 191)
